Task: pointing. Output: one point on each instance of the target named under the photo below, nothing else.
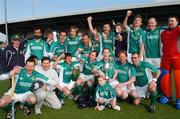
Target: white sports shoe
(101, 107)
(71, 97)
(62, 101)
(76, 97)
(118, 108)
(38, 111)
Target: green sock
(79, 89)
(75, 75)
(58, 93)
(153, 97)
(91, 90)
(74, 91)
(63, 96)
(7, 107)
(27, 104)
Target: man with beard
(171, 61)
(36, 46)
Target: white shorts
(22, 97)
(124, 88)
(114, 83)
(86, 77)
(154, 61)
(4, 76)
(69, 85)
(107, 101)
(142, 91)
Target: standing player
(36, 46)
(121, 39)
(153, 49)
(153, 43)
(108, 37)
(49, 36)
(58, 48)
(73, 41)
(96, 42)
(171, 60)
(136, 36)
(85, 46)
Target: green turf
(70, 111)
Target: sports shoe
(177, 105)
(164, 100)
(76, 97)
(25, 109)
(101, 107)
(71, 97)
(9, 115)
(62, 101)
(109, 105)
(151, 108)
(118, 108)
(38, 111)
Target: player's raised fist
(129, 12)
(89, 18)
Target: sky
(24, 9)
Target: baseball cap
(16, 37)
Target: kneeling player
(87, 75)
(22, 92)
(125, 74)
(66, 82)
(144, 86)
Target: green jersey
(105, 91)
(109, 42)
(88, 66)
(24, 81)
(153, 43)
(85, 49)
(66, 71)
(135, 38)
(125, 72)
(107, 68)
(38, 48)
(97, 44)
(72, 45)
(141, 73)
(57, 48)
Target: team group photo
(114, 68)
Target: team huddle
(95, 69)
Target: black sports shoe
(25, 109)
(9, 115)
(151, 108)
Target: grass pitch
(70, 111)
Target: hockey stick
(12, 96)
